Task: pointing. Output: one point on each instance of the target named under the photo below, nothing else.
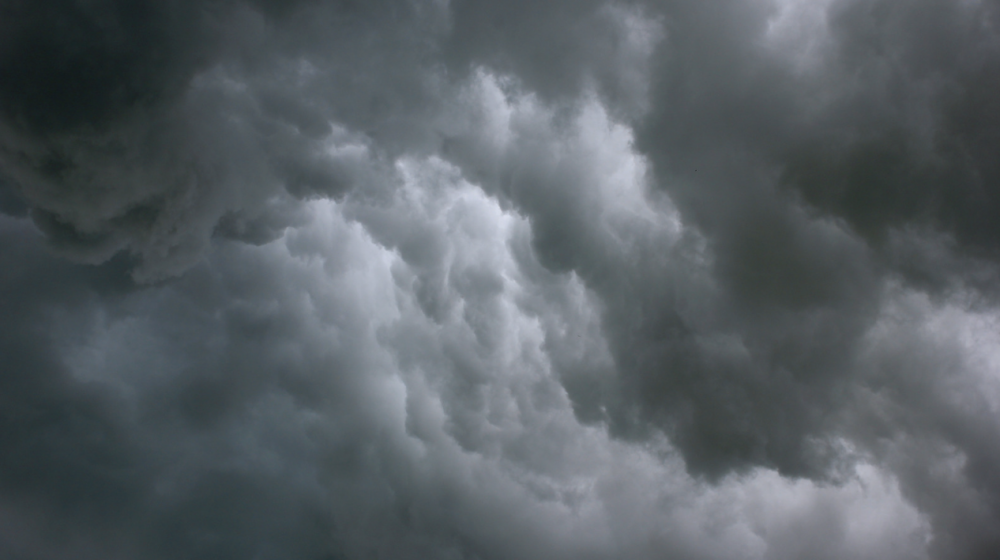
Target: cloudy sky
(500, 279)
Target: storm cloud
(471, 279)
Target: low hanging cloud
(331, 280)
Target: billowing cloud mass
(482, 279)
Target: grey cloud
(130, 126)
(804, 249)
(498, 280)
(77, 463)
(926, 384)
(71, 64)
(599, 45)
(297, 399)
(702, 347)
(890, 127)
(919, 141)
(139, 127)
(797, 279)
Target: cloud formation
(467, 279)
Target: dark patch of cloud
(138, 126)
(80, 472)
(69, 64)
(598, 45)
(915, 147)
(10, 203)
(798, 253)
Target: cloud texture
(470, 279)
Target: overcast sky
(500, 279)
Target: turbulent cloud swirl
(471, 279)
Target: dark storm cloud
(601, 280)
(79, 467)
(63, 445)
(71, 64)
(138, 126)
(705, 352)
(595, 46)
(812, 182)
(799, 277)
(90, 125)
(920, 142)
(891, 126)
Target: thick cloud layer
(331, 280)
